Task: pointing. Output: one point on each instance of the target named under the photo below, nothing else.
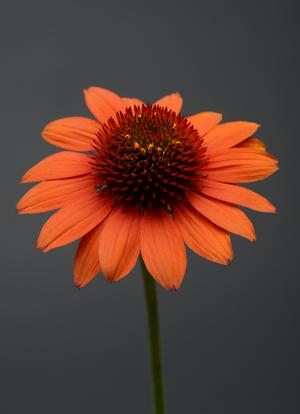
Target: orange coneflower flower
(144, 179)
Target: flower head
(144, 179)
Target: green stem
(154, 340)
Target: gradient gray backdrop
(230, 334)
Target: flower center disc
(148, 156)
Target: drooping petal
(236, 195)
(227, 135)
(119, 242)
(238, 165)
(132, 102)
(103, 103)
(86, 263)
(252, 144)
(163, 249)
(223, 215)
(73, 221)
(54, 194)
(74, 133)
(172, 102)
(204, 121)
(201, 235)
(63, 164)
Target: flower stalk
(154, 340)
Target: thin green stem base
(154, 340)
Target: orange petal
(119, 242)
(163, 249)
(132, 102)
(73, 221)
(60, 165)
(236, 195)
(227, 135)
(238, 165)
(74, 133)
(241, 174)
(239, 156)
(86, 263)
(252, 143)
(204, 121)
(172, 102)
(51, 195)
(224, 215)
(103, 103)
(202, 236)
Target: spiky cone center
(148, 156)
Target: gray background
(230, 335)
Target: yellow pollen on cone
(176, 142)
